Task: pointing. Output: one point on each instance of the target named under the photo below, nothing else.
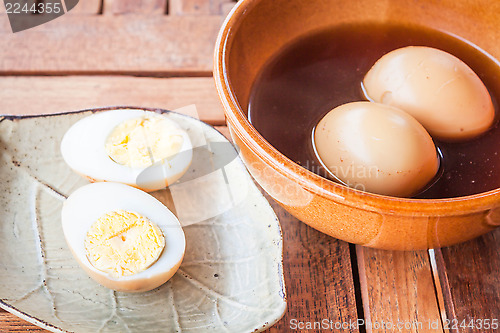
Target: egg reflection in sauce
(376, 148)
(435, 87)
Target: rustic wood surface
(398, 287)
(158, 53)
(472, 283)
(318, 276)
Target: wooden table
(156, 53)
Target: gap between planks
(471, 284)
(463, 279)
(167, 7)
(318, 277)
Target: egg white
(83, 149)
(84, 206)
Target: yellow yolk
(141, 142)
(123, 243)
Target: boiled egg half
(122, 237)
(140, 148)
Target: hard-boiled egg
(376, 148)
(135, 147)
(122, 237)
(435, 87)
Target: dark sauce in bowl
(316, 73)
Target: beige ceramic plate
(231, 278)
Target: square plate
(231, 279)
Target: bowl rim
(308, 180)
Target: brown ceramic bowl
(257, 29)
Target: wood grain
(398, 289)
(91, 7)
(135, 44)
(11, 323)
(470, 281)
(145, 7)
(199, 7)
(41, 95)
(318, 277)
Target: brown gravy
(314, 74)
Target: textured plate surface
(230, 280)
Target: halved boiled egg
(124, 238)
(140, 148)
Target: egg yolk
(141, 142)
(122, 243)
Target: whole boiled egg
(140, 148)
(122, 237)
(376, 148)
(435, 87)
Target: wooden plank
(38, 95)
(145, 7)
(199, 7)
(469, 275)
(134, 44)
(398, 291)
(92, 7)
(318, 278)
(11, 323)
